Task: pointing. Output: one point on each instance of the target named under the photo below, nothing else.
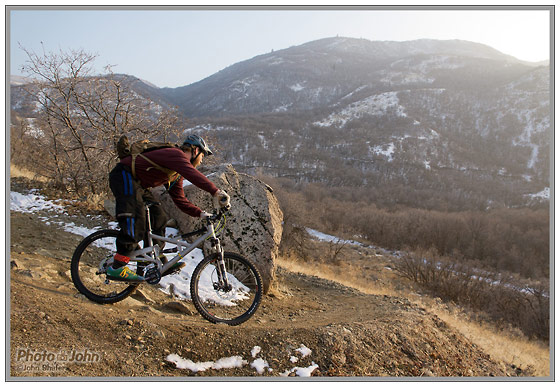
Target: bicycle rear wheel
(89, 262)
(229, 306)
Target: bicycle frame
(150, 253)
(225, 287)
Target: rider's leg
(129, 212)
(158, 218)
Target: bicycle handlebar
(217, 214)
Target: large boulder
(254, 224)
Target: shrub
(503, 298)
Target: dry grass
(16, 171)
(501, 346)
(520, 351)
(343, 275)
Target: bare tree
(82, 115)
(335, 249)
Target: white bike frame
(150, 253)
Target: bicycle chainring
(152, 276)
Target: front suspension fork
(220, 266)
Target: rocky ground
(349, 333)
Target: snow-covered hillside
(451, 117)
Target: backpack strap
(171, 174)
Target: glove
(204, 215)
(221, 200)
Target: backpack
(125, 149)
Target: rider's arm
(178, 195)
(176, 160)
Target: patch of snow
(189, 364)
(331, 238)
(31, 203)
(301, 371)
(534, 154)
(79, 230)
(241, 86)
(403, 78)
(387, 150)
(323, 237)
(181, 282)
(263, 141)
(259, 365)
(304, 351)
(282, 108)
(306, 372)
(34, 131)
(297, 87)
(542, 195)
(226, 362)
(352, 93)
(375, 105)
(229, 362)
(255, 351)
(531, 126)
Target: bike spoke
(232, 304)
(89, 264)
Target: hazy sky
(177, 47)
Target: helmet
(196, 140)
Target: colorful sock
(120, 261)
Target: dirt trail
(349, 333)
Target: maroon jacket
(176, 160)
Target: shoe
(123, 274)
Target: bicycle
(225, 287)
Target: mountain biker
(131, 194)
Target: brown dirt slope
(348, 332)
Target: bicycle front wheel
(89, 263)
(233, 305)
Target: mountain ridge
(317, 73)
(371, 114)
